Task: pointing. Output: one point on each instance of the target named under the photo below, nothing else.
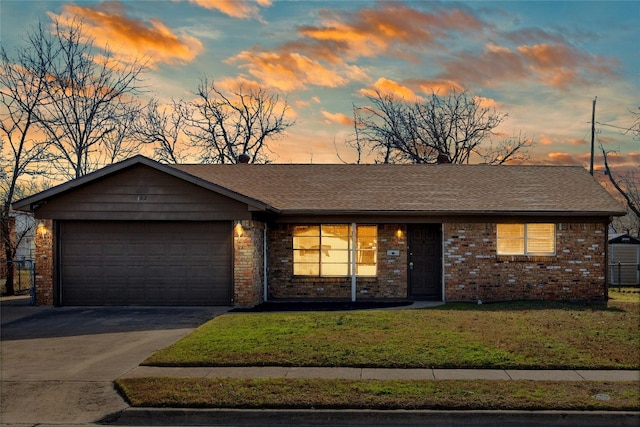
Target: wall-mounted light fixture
(399, 233)
(41, 230)
(239, 230)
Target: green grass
(628, 294)
(538, 335)
(516, 335)
(370, 394)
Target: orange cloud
(289, 71)
(319, 57)
(234, 8)
(131, 39)
(339, 118)
(485, 102)
(545, 140)
(302, 104)
(493, 65)
(556, 65)
(389, 87)
(563, 159)
(441, 87)
(327, 51)
(408, 88)
(548, 56)
(627, 160)
(232, 84)
(371, 32)
(306, 103)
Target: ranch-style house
(143, 233)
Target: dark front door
(425, 261)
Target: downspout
(606, 258)
(353, 261)
(442, 263)
(265, 285)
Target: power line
(629, 129)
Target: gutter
(320, 212)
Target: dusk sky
(543, 63)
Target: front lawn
(516, 335)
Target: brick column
(248, 267)
(44, 262)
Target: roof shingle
(465, 189)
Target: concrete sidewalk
(385, 374)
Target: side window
(526, 239)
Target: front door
(425, 261)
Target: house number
(141, 197)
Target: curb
(301, 417)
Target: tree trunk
(5, 231)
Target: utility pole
(593, 132)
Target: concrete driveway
(58, 364)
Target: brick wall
(44, 263)
(390, 282)
(248, 267)
(473, 271)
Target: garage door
(145, 263)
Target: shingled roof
(431, 189)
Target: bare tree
(120, 143)
(355, 143)
(225, 126)
(23, 148)
(453, 128)
(627, 187)
(89, 96)
(163, 128)
(635, 126)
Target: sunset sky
(543, 63)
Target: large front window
(526, 239)
(334, 250)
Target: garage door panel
(145, 263)
(177, 249)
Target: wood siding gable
(142, 193)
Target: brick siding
(473, 271)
